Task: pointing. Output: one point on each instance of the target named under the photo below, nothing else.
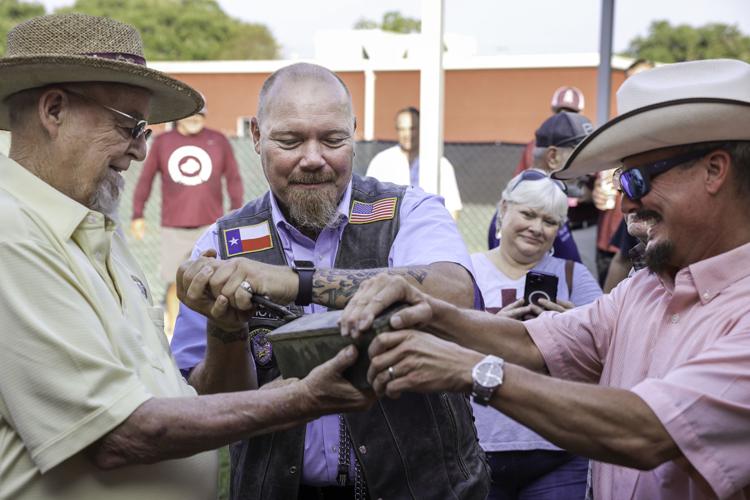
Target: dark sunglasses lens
(139, 129)
(633, 184)
(147, 133)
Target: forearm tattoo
(226, 336)
(334, 287)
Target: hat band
(119, 56)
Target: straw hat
(80, 48)
(672, 105)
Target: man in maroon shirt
(191, 160)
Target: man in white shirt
(400, 164)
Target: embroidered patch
(260, 346)
(247, 239)
(364, 213)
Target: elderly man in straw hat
(657, 386)
(91, 403)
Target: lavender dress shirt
(427, 234)
(684, 348)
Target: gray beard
(311, 212)
(107, 195)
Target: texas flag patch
(247, 239)
(364, 213)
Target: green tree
(392, 21)
(186, 29)
(667, 43)
(13, 12)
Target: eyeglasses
(636, 182)
(136, 132)
(535, 175)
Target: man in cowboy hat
(657, 386)
(87, 384)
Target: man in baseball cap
(91, 403)
(652, 381)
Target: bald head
(299, 74)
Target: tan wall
(480, 105)
(231, 96)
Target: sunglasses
(636, 182)
(535, 175)
(136, 132)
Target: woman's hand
(521, 311)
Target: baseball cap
(565, 129)
(568, 98)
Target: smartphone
(540, 285)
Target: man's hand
(330, 392)
(194, 290)
(376, 295)
(414, 361)
(138, 228)
(278, 283)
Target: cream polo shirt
(81, 347)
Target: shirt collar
(716, 273)
(61, 213)
(342, 209)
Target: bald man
(309, 242)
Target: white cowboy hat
(66, 48)
(672, 105)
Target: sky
(500, 26)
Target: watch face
(304, 265)
(489, 374)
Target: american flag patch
(364, 213)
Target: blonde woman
(531, 210)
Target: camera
(538, 286)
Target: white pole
(369, 132)
(604, 74)
(431, 95)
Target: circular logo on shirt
(189, 165)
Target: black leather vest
(419, 446)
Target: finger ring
(392, 373)
(247, 287)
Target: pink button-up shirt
(684, 348)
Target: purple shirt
(682, 347)
(426, 234)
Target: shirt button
(706, 295)
(363, 449)
(675, 318)
(334, 448)
(292, 470)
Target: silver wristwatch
(488, 376)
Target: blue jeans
(538, 475)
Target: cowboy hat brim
(170, 98)
(661, 125)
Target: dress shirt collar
(61, 213)
(716, 273)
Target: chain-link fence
(482, 169)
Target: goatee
(107, 195)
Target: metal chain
(345, 453)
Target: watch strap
(304, 293)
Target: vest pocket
(455, 431)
